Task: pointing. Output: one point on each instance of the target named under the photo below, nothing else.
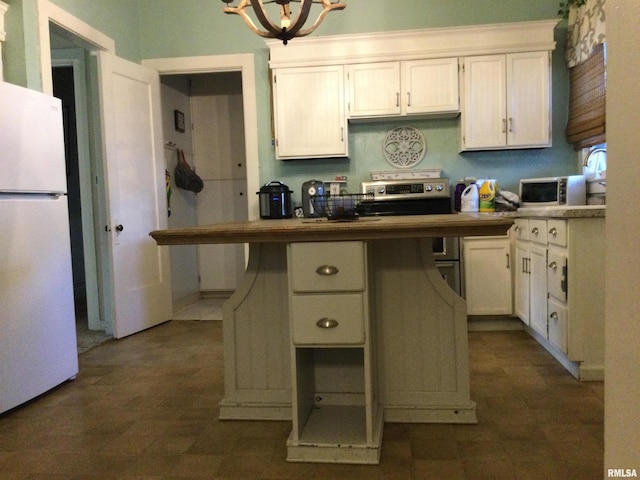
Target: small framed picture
(178, 117)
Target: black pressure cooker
(275, 200)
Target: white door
(136, 196)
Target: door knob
(119, 228)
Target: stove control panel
(408, 189)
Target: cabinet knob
(535, 230)
(553, 231)
(327, 323)
(327, 270)
(553, 265)
(553, 316)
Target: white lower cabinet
(538, 288)
(557, 324)
(487, 267)
(531, 274)
(559, 289)
(335, 411)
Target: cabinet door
(558, 324)
(309, 113)
(488, 276)
(521, 297)
(538, 289)
(430, 86)
(374, 89)
(557, 274)
(528, 102)
(484, 102)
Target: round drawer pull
(553, 316)
(327, 323)
(553, 231)
(535, 230)
(553, 265)
(327, 270)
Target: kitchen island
(403, 353)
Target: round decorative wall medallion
(404, 147)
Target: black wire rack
(340, 207)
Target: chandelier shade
(287, 28)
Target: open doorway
(230, 72)
(213, 142)
(69, 75)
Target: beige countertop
(577, 211)
(314, 230)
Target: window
(587, 119)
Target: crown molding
(414, 44)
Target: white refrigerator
(38, 348)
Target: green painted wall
(119, 19)
(21, 49)
(174, 28)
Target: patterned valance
(586, 30)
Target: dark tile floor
(145, 408)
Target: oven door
(446, 248)
(450, 271)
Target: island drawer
(328, 319)
(327, 266)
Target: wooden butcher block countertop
(323, 230)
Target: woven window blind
(587, 101)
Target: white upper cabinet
(309, 112)
(430, 86)
(374, 89)
(321, 82)
(506, 101)
(387, 89)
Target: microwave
(553, 191)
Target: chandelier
(288, 28)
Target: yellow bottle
(487, 196)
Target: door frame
(245, 64)
(74, 58)
(87, 38)
(82, 32)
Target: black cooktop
(432, 206)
